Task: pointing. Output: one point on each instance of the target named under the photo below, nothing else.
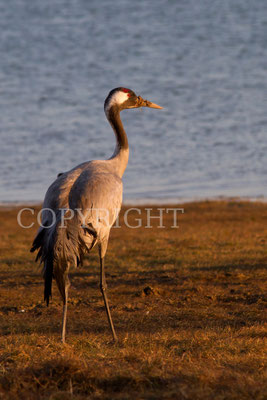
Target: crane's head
(122, 98)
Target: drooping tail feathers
(46, 255)
(61, 246)
(48, 275)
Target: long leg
(103, 288)
(65, 307)
(64, 320)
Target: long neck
(121, 154)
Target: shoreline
(151, 202)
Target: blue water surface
(204, 61)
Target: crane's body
(81, 206)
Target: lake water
(204, 61)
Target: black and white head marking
(119, 97)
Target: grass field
(188, 304)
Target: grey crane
(80, 207)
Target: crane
(81, 206)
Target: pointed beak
(146, 103)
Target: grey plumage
(80, 207)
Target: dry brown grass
(197, 333)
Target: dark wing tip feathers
(48, 276)
(46, 257)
